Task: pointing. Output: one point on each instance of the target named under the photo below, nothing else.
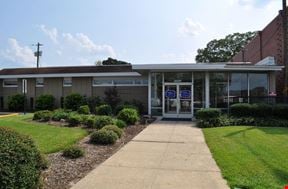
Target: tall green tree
(222, 50)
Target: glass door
(177, 100)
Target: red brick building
(268, 42)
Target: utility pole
(38, 53)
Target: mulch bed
(63, 172)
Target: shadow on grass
(242, 131)
(274, 130)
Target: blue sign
(185, 94)
(170, 94)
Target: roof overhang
(103, 74)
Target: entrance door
(177, 100)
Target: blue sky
(76, 32)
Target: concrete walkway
(165, 155)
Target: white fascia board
(107, 74)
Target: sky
(81, 32)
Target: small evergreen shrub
(74, 120)
(84, 109)
(90, 122)
(208, 113)
(222, 120)
(73, 152)
(73, 101)
(101, 121)
(59, 114)
(43, 115)
(115, 129)
(45, 102)
(139, 105)
(119, 123)
(129, 115)
(103, 137)
(94, 101)
(16, 102)
(104, 109)
(241, 110)
(261, 110)
(122, 106)
(20, 161)
(112, 97)
(280, 111)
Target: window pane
(10, 82)
(102, 82)
(67, 81)
(199, 90)
(123, 82)
(178, 77)
(258, 84)
(156, 92)
(218, 90)
(39, 82)
(238, 86)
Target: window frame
(69, 84)
(10, 86)
(39, 85)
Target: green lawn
(250, 157)
(48, 138)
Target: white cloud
(19, 54)
(190, 28)
(51, 33)
(83, 42)
(249, 4)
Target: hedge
(45, 102)
(128, 115)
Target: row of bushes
(74, 101)
(125, 116)
(259, 110)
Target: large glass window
(178, 77)
(238, 86)
(199, 90)
(156, 93)
(219, 90)
(258, 84)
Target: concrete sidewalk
(165, 155)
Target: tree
(222, 50)
(111, 61)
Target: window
(219, 90)
(39, 82)
(258, 84)
(178, 77)
(119, 82)
(105, 82)
(67, 82)
(10, 83)
(124, 82)
(156, 93)
(199, 90)
(238, 86)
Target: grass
(250, 157)
(48, 138)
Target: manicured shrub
(101, 121)
(129, 115)
(241, 109)
(90, 122)
(84, 109)
(45, 102)
(104, 109)
(220, 121)
(94, 101)
(16, 102)
(73, 152)
(115, 129)
(112, 97)
(119, 123)
(59, 114)
(43, 115)
(261, 110)
(103, 137)
(73, 101)
(120, 107)
(280, 111)
(139, 105)
(208, 113)
(74, 119)
(20, 161)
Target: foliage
(139, 105)
(111, 61)
(45, 102)
(43, 115)
(250, 157)
(104, 109)
(280, 111)
(120, 107)
(129, 115)
(119, 123)
(42, 133)
(93, 102)
(90, 122)
(219, 121)
(73, 152)
(74, 120)
(115, 129)
(101, 121)
(103, 137)
(20, 161)
(112, 97)
(59, 114)
(240, 109)
(223, 50)
(16, 102)
(73, 101)
(208, 113)
(84, 109)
